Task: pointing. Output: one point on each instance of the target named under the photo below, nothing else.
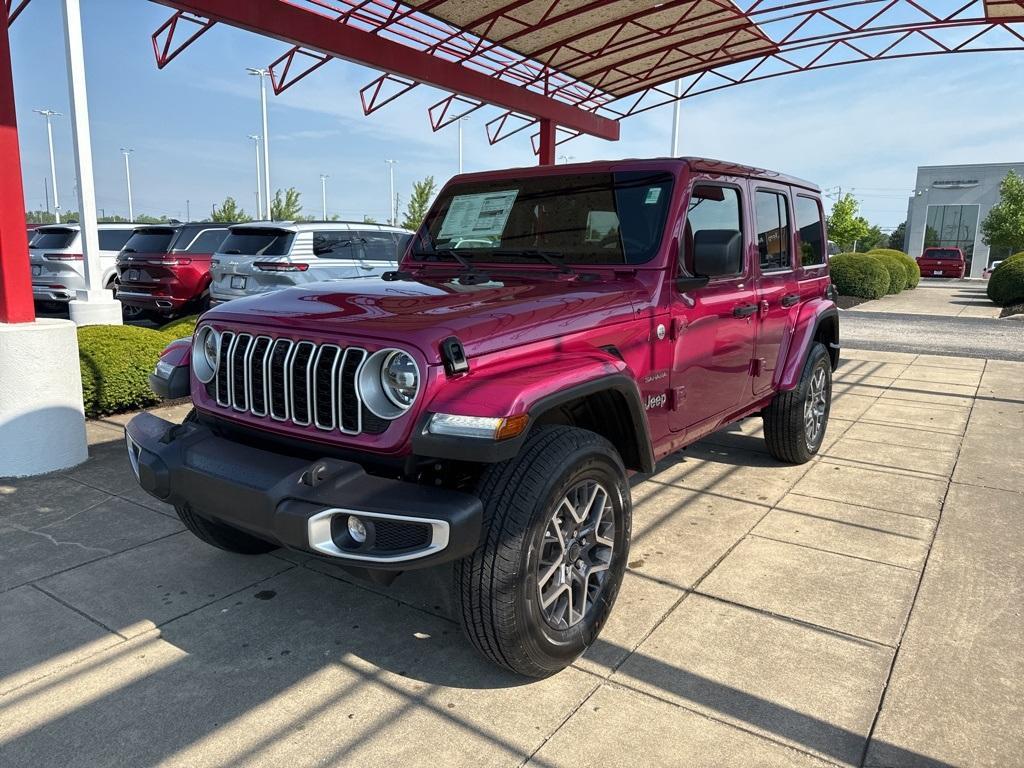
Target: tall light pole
(259, 200)
(323, 193)
(391, 200)
(461, 121)
(128, 178)
(262, 73)
(49, 113)
(675, 118)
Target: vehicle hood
(503, 313)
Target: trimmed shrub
(1014, 257)
(180, 328)
(1006, 285)
(116, 361)
(860, 275)
(913, 271)
(897, 269)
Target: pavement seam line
(913, 601)
(79, 611)
(859, 506)
(94, 560)
(754, 534)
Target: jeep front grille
(300, 382)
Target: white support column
(95, 305)
(675, 119)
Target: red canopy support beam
(299, 26)
(546, 143)
(15, 281)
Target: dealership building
(947, 208)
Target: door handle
(744, 310)
(790, 299)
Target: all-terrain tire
(496, 588)
(223, 536)
(785, 429)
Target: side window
(114, 239)
(370, 245)
(812, 238)
(773, 238)
(208, 241)
(713, 224)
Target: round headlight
(206, 354)
(389, 381)
(400, 378)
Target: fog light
(356, 529)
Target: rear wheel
(223, 536)
(795, 422)
(539, 588)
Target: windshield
(257, 242)
(150, 240)
(54, 238)
(586, 218)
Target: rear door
(778, 295)
(713, 326)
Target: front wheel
(795, 422)
(539, 588)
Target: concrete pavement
(943, 297)
(864, 608)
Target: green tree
(143, 218)
(286, 205)
(369, 220)
(229, 211)
(419, 202)
(897, 236)
(1003, 227)
(845, 227)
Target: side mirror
(689, 283)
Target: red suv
(942, 262)
(549, 331)
(164, 269)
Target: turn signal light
(512, 426)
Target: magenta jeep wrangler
(549, 331)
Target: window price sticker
(481, 215)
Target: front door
(713, 326)
(778, 297)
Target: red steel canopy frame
(562, 67)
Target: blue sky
(865, 127)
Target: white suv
(267, 256)
(55, 253)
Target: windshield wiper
(554, 258)
(468, 268)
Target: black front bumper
(300, 504)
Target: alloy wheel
(815, 406)
(576, 551)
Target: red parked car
(942, 262)
(548, 331)
(164, 269)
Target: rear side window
(773, 239)
(715, 211)
(114, 239)
(808, 220)
(54, 238)
(369, 245)
(149, 241)
(207, 241)
(257, 242)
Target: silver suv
(55, 253)
(267, 256)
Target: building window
(952, 226)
